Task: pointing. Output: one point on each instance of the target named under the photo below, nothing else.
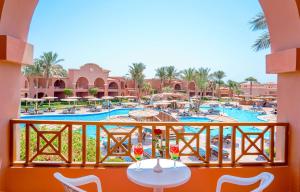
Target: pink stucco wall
(260, 89)
(92, 75)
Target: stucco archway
(177, 87)
(82, 83)
(113, 85)
(99, 83)
(59, 84)
(282, 17)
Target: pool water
(239, 115)
(80, 117)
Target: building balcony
(81, 89)
(58, 89)
(113, 90)
(40, 148)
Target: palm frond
(258, 22)
(263, 42)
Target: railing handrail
(173, 130)
(149, 123)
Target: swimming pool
(80, 117)
(239, 115)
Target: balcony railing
(77, 143)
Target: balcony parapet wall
(286, 61)
(13, 50)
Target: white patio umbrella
(26, 99)
(75, 97)
(120, 97)
(36, 100)
(69, 100)
(107, 97)
(131, 97)
(94, 99)
(49, 99)
(89, 97)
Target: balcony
(104, 149)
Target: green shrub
(68, 92)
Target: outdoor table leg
(158, 190)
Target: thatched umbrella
(49, 98)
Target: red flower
(157, 131)
(174, 149)
(138, 150)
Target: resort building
(91, 75)
(259, 89)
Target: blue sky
(183, 33)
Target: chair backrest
(265, 179)
(71, 184)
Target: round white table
(169, 177)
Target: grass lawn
(60, 104)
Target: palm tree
(147, 88)
(201, 80)
(162, 75)
(34, 71)
(136, 71)
(51, 67)
(212, 83)
(188, 75)
(171, 73)
(233, 86)
(259, 23)
(251, 80)
(219, 76)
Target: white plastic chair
(265, 179)
(71, 184)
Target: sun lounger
(31, 112)
(65, 111)
(201, 151)
(112, 144)
(39, 112)
(215, 151)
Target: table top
(169, 177)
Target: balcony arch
(113, 85)
(82, 83)
(59, 84)
(177, 87)
(99, 83)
